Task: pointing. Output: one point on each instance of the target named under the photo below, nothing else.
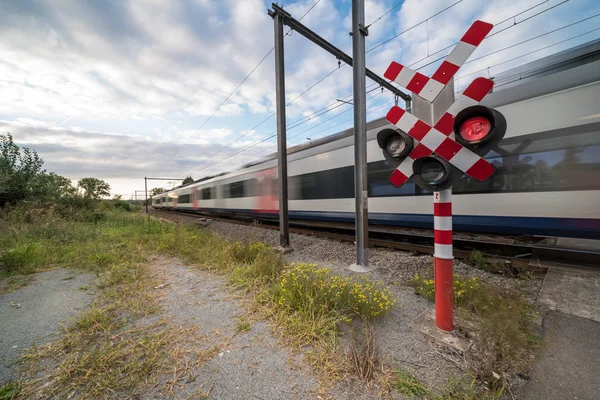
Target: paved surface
(248, 365)
(568, 366)
(48, 301)
(572, 291)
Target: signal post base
(360, 269)
(444, 294)
(425, 324)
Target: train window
(335, 183)
(207, 193)
(238, 189)
(234, 190)
(251, 187)
(184, 199)
(378, 177)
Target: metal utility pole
(360, 136)
(280, 18)
(284, 231)
(146, 179)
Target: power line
(386, 13)
(528, 53)
(229, 96)
(216, 110)
(254, 157)
(321, 123)
(533, 38)
(412, 27)
(493, 34)
(255, 144)
(264, 120)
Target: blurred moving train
(547, 179)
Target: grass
(10, 390)
(406, 383)
(500, 323)
(243, 325)
(104, 351)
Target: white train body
(548, 166)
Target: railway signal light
(396, 145)
(480, 128)
(433, 173)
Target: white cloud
(155, 70)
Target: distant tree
(94, 188)
(157, 191)
(118, 197)
(18, 171)
(187, 180)
(51, 187)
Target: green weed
(243, 325)
(406, 383)
(10, 390)
(308, 288)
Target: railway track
(533, 254)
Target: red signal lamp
(477, 125)
(475, 129)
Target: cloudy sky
(120, 89)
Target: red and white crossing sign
(478, 128)
(440, 139)
(430, 88)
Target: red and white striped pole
(443, 276)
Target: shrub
(308, 288)
(122, 205)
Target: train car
(547, 179)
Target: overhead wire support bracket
(297, 26)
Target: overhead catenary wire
(412, 27)
(489, 36)
(229, 96)
(256, 157)
(527, 54)
(533, 38)
(250, 146)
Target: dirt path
(245, 364)
(33, 314)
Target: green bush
(308, 288)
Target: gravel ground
(46, 303)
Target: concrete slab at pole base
(572, 291)
(360, 269)
(283, 249)
(425, 323)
